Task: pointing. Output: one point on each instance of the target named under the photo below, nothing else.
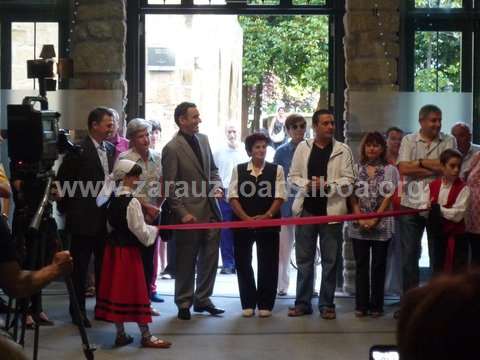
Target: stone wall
(372, 50)
(98, 46)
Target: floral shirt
(370, 192)
(472, 218)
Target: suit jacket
(82, 215)
(189, 186)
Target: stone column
(98, 46)
(371, 65)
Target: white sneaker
(248, 312)
(264, 313)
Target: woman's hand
(261, 217)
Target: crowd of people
(431, 172)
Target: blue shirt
(283, 156)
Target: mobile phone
(384, 352)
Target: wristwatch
(420, 164)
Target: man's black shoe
(210, 309)
(184, 314)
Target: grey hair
(116, 115)
(461, 125)
(136, 125)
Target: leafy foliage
(438, 3)
(437, 61)
(286, 55)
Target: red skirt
(123, 295)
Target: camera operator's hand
(54, 193)
(64, 262)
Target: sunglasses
(299, 126)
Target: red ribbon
(252, 224)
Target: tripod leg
(87, 348)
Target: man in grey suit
(192, 185)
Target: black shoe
(227, 271)
(209, 308)
(184, 314)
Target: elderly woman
(149, 192)
(256, 192)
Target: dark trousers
(148, 254)
(264, 293)
(226, 237)
(82, 248)
(463, 245)
(370, 283)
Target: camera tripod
(41, 226)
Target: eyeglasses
(301, 126)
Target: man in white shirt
(226, 158)
(419, 163)
(463, 135)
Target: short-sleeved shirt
(151, 173)
(414, 147)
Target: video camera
(34, 137)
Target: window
(28, 39)
(449, 4)
(438, 56)
(158, 55)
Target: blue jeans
(411, 232)
(330, 251)
(226, 237)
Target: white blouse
(280, 188)
(146, 234)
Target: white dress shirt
(458, 210)
(102, 154)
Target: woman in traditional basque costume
(123, 295)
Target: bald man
(463, 135)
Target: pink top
(472, 219)
(121, 144)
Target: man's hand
(54, 193)
(188, 219)
(63, 262)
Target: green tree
(289, 52)
(438, 3)
(437, 61)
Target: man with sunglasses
(296, 126)
(322, 172)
